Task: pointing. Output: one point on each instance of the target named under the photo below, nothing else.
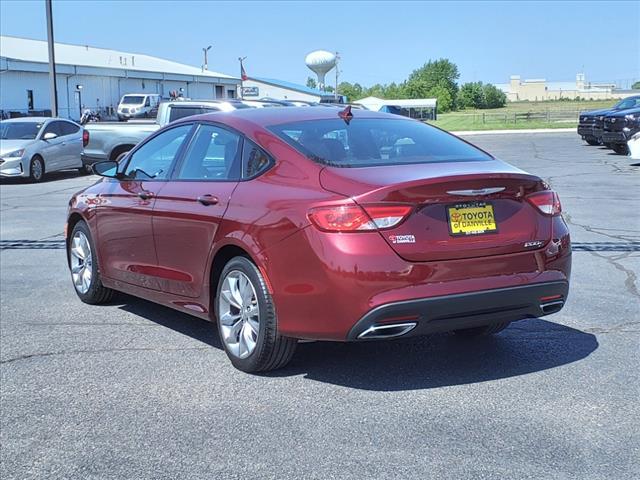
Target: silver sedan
(33, 146)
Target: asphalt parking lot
(134, 390)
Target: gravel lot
(133, 390)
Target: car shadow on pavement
(442, 360)
(416, 363)
(49, 177)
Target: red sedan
(282, 224)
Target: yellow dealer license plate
(471, 219)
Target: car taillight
(546, 201)
(85, 138)
(353, 218)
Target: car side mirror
(107, 169)
(49, 136)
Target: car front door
(190, 208)
(126, 248)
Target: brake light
(546, 201)
(85, 138)
(352, 218)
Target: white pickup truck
(111, 140)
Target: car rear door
(190, 208)
(52, 149)
(126, 248)
(71, 145)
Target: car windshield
(132, 99)
(374, 142)
(628, 103)
(19, 130)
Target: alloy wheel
(239, 314)
(81, 262)
(36, 169)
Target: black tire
(594, 142)
(36, 169)
(97, 293)
(85, 170)
(121, 156)
(272, 351)
(483, 331)
(620, 148)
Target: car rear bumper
(465, 310)
(90, 160)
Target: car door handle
(145, 195)
(207, 200)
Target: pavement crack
(106, 350)
(630, 281)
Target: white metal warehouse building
(105, 75)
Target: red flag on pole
(243, 74)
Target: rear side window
(212, 155)
(254, 160)
(375, 141)
(68, 128)
(177, 113)
(153, 160)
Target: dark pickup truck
(619, 127)
(591, 124)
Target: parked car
(111, 140)
(619, 127)
(591, 123)
(138, 105)
(282, 224)
(31, 147)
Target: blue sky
(379, 42)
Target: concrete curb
(502, 132)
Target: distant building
(258, 87)
(540, 89)
(104, 75)
(422, 108)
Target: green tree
(353, 92)
(636, 86)
(442, 92)
(311, 82)
(435, 75)
(493, 96)
(471, 95)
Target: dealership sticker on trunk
(471, 218)
(402, 238)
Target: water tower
(320, 62)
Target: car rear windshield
(132, 100)
(375, 141)
(19, 130)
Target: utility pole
(337, 72)
(53, 89)
(206, 62)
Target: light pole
(79, 89)
(206, 62)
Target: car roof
(31, 119)
(279, 115)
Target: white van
(138, 105)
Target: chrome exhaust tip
(387, 331)
(551, 307)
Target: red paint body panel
(322, 283)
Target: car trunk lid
(439, 191)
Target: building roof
(375, 103)
(292, 86)
(30, 50)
